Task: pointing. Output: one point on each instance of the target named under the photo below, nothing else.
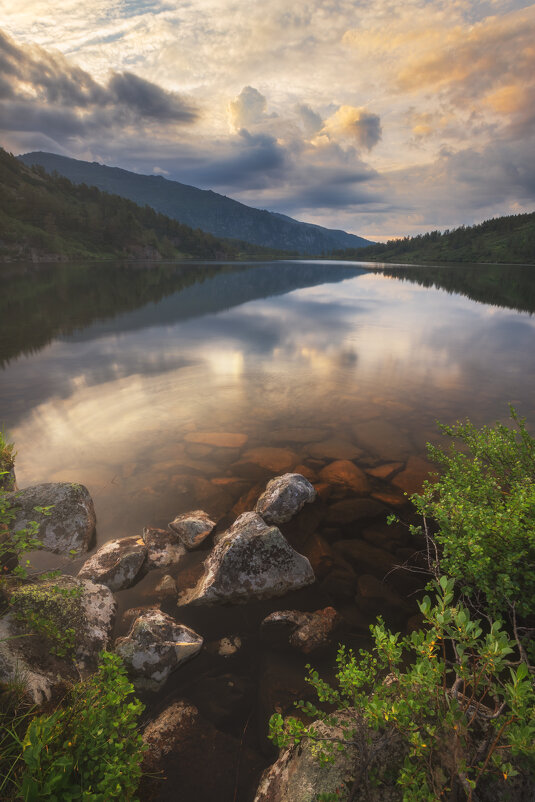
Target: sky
(380, 117)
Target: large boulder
(164, 547)
(197, 760)
(66, 603)
(246, 522)
(68, 524)
(283, 497)
(192, 527)
(307, 632)
(250, 561)
(298, 775)
(154, 647)
(117, 564)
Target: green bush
(484, 507)
(90, 749)
(463, 712)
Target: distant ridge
(201, 208)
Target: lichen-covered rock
(246, 522)
(298, 775)
(307, 632)
(68, 603)
(250, 561)
(70, 521)
(164, 548)
(283, 497)
(117, 564)
(154, 647)
(192, 528)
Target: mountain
(200, 208)
(46, 217)
(502, 240)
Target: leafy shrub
(90, 749)
(484, 507)
(462, 710)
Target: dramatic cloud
(383, 117)
(247, 109)
(357, 124)
(45, 93)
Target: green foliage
(508, 239)
(15, 714)
(7, 454)
(50, 611)
(90, 749)
(484, 507)
(461, 710)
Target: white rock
(283, 497)
(117, 563)
(192, 527)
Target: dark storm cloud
(43, 92)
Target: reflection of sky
(322, 355)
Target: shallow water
(118, 377)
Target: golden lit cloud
(357, 124)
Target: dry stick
(493, 746)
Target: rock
(197, 760)
(307, 632)
(371, 588)
(228, 646)
(248, 500)
(385, 470)
(166, 587)
(117, 564)
(365, 558)
(155, 646)
(298, 776)
(250, 561)
(345, 473)
(192, 528)
(298, 434)
(246, 522)
(218, 439)
(307, 472)
(164, 547)
(323, 490)
(90, 614)
(351, 510)
(257, 462)
(335, 448)
(283, 497)
(69, 524)
(385, 439)
(391, 496)
(318, 553)
(340, 584)
(412, 478)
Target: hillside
(48, 217)
(500, 240)
(201, 208)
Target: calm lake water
(118, 376)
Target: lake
(135, 380)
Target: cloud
(355, 123)
(247, 109)
(309, 119)
(44, 92)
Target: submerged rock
(250, 561)
(166, 587)
(417, 470)
(192, 527)
(283, 497)
(117, 563)
(164, 548)
(218, 439)
(69, 603)
(346, 473)
(70, 521)
(307, 632)
(155, 645)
